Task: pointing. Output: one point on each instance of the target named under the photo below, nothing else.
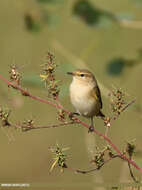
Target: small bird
(85, 95)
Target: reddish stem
(26, 93)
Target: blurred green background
(96, 34)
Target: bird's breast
(82, 101)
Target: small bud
(107, 122)
(130, 148)
(15, 75)
(4, 117)
(61, 115)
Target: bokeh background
(103, 36)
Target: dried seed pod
(61, 115)
(15, 76)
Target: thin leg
(91, 128)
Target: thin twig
(28, 94)
(129, 104)
(27, 128)
(131, 174)
(105, 162)
(97, 168)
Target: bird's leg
(91, 128)
(73, 114)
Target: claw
(72, 114)
(91, 129)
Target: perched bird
(85, 95)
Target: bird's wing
(97, 94)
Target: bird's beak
(70, 73)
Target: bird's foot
(91, 129)
(72, 114)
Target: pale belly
(83, 103)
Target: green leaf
(32, 23)
(115, 66)
(91, 14)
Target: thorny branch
(54, 91)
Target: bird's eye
(82, 75)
